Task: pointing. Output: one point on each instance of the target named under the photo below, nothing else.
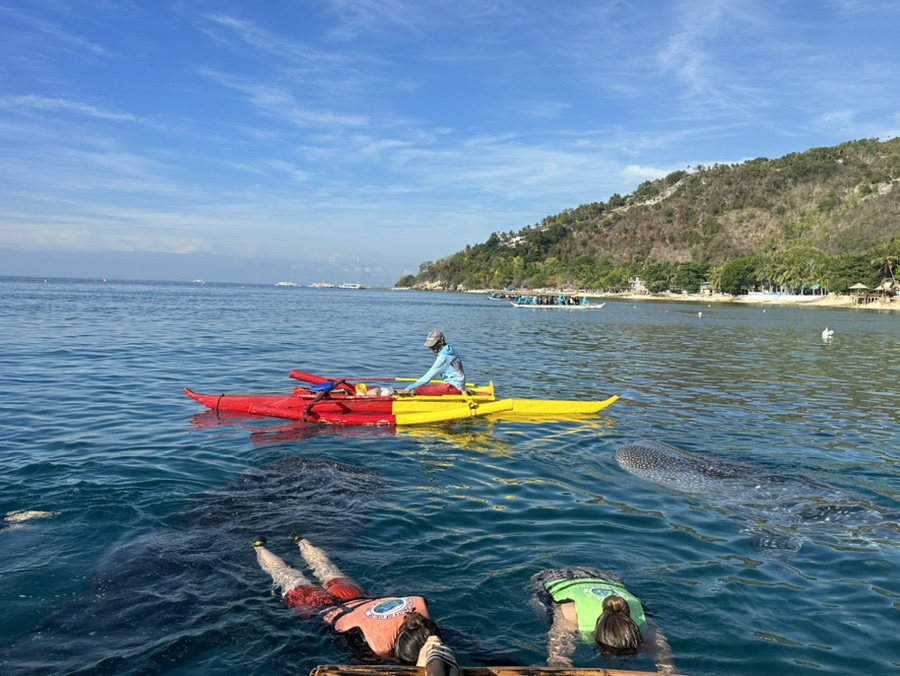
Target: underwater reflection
(272, 431)
(484, 435)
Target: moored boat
(559, 306)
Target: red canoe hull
(292, 407)
(341, 405)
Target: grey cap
(434, 338)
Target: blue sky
(352, 140)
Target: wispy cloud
(27, 103)
(280, 103)
(228, 29)
(685, 53)
(37, 33)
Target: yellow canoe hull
(458, 412)
(532, 408)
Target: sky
(354, 140)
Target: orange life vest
(378, 619)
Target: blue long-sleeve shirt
(449, 365)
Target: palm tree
(886, 257)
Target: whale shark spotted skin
(780, 501)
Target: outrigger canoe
(337, 402)
(555, 306)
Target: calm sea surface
(148, 567)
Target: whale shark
(774, 507)
(166, 598)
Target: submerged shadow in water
(272, 431)
(167, 598)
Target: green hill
(827, 216)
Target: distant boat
(347, 285)
(286, 284)
(321, 285)
(197, 281)
(556, 306)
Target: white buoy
(699, 314)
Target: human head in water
(435, 341)
(414, 631)
(615, 632)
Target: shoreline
(830, 300)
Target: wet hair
(414, 631)
(616, 633)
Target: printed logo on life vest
(599, 592)
(388, 608)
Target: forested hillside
(827, 217)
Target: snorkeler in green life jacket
(597, 608)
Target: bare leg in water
(284, 578)
(322, 567)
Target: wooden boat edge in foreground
(397, 670)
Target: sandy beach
(829, 300)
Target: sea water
(148, 566)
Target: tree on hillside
(844, 201)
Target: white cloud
(27, 103)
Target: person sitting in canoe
(447, 363)
(597, 608)
(388, 627)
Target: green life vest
(587, 594)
